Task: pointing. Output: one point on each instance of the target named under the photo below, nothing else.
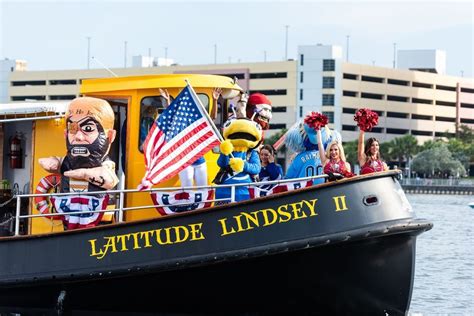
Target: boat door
(15, 167)
(25, 127)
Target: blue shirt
(305, 164)
(271, 172)
(251, 167)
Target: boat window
(150, 108)
(204, 100)
(370, 200)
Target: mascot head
(243, 133)
(301, 137)
(259, 108)
(89, 131)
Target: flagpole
(204, 112)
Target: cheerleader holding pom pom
(368, 154)
(333, 159)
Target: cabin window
(219, 114)
(150, 109)
(204, 100)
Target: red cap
(258, 98)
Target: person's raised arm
(275, 171)
(216, 92)
(348, 166)
(361, 149)
(322, 152)
(165, 94)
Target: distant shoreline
(438, 189)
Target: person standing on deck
(270, 170)
(333, 159)
(369, 155)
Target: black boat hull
(333, 261)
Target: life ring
(46, 184)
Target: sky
(53, 35)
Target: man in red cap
(259, 109)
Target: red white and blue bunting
(188, 200)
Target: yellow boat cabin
(38, 130)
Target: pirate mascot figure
(86, 166)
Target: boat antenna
(232, 107)
(103, 66)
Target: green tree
(385, 152)
(403, 148)
(437, 160)
(461, 147)
(350, 150)
(429, 144)
(466, 134)
(461, 151)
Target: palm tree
(403, 148)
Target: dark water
(444, 274)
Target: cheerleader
(333, 159)
(369, 155)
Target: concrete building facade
(419, 102)
(275, 79)
(422, 103)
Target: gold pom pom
(226, 147)
(237, 164)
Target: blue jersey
(305, 164)
(271, 172)
(251, 167)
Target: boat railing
(121, 195)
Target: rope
(5, 203)
(4, 223)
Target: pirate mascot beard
(84, 155)
(88, 155)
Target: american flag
(180, 135)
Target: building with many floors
(416, 98)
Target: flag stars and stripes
(179, 137)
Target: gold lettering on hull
(162, 236)
(246, 221)
(242, 222)
(340, 203)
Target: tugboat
(341, 247)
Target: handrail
(122, 193)
(281, 181)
